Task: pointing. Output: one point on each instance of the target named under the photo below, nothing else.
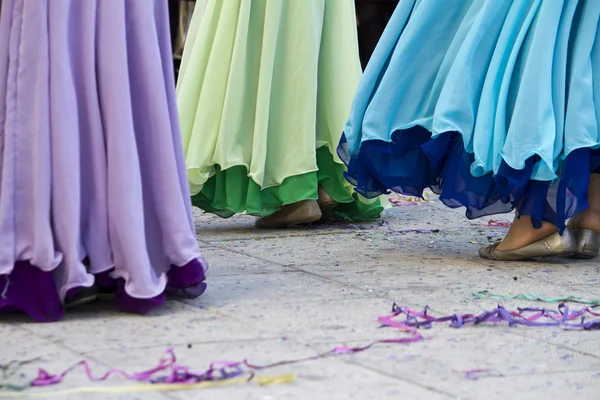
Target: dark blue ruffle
(414, 161)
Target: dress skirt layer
(492, 104)
(264, 91)
(92, 177)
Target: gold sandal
(587, 243)
(552, 246)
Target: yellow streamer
(162, 387)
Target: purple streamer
(562, 317)
(402, 319)
(475, 374)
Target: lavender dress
(93, 188)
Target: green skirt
(231, 191)
(264, 92)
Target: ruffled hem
(29, 290)
(413, 161)
(231, 191)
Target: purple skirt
(93, 188)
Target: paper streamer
(389, 228)
(164, 387)
(484, 294)
(169, 372)
(500, 224)
(169, 375)
(562, 317)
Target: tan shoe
(326, 204)
(303, 212)
(552, 246)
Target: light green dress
(264, 91)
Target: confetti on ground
(168, 373)
(401, 200)
(389, 228)
(484, 294)
(501, 224)
(475, 374)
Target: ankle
(587, 219)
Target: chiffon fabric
(264, 91)
(492, 104)
(92, 177)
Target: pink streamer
(499, 224)
(402, 319)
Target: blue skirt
(491, 104)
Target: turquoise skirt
(492, 104)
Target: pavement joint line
(56, 342)
(554, 344)
(299, 269)
(345, 360)
(399, 378)
(270, 237)
(225, 275)
(162, 346)
(253, 256)
(283, 265)
(182, 344)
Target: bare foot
(522, 233)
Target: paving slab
(287, 294)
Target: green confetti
(485, 294)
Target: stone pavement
(289, 294)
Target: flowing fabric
(92, 176)
(264, 90)
(492, 104)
